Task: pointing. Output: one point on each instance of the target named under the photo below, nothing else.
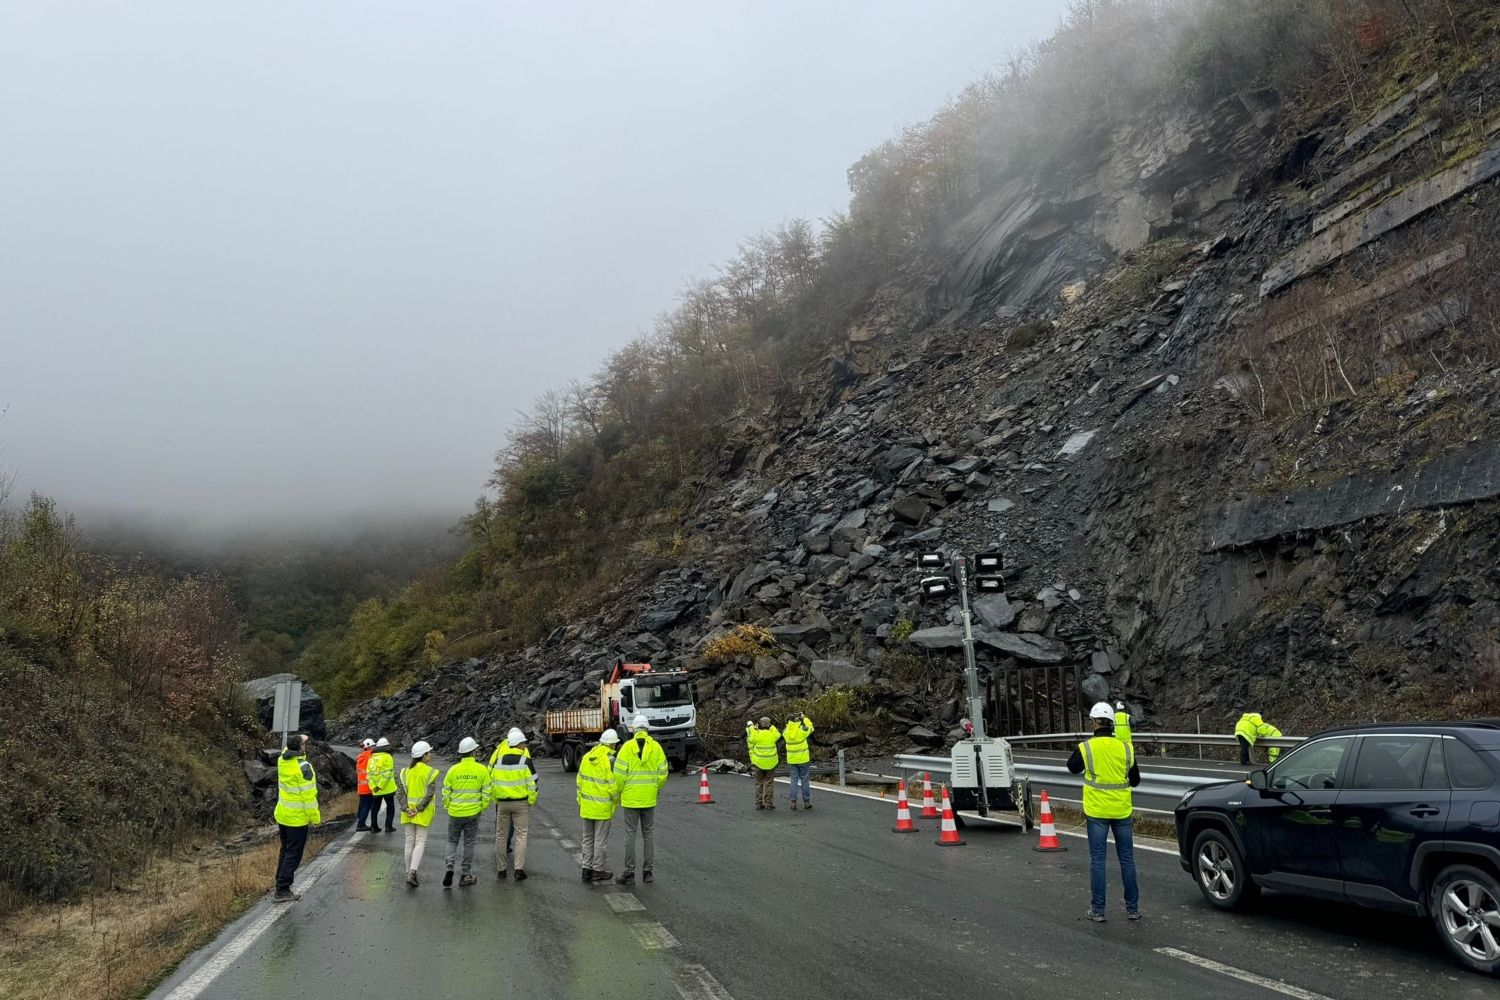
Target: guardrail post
(842, 781)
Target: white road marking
(653, 937)
(578, 857)
(624, 902)
(194, 986)
(568, 845)
(553, 831)
(1243, 976)
(695, 982)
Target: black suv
(1400, 817)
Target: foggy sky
(272, 258)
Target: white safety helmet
(639, 722)
(610, 738)
(382, 742)
(1101, 710)
(420, 749)
(515, 736)
(468, 745)
(366, 743)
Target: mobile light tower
(992, 756)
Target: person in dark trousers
(1109, 771)
(362, 782)
(296, 813)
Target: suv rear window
(1388, 762)
(1465, 768)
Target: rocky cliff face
(1223, 390)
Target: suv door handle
(1320, 813)
(1424, 811)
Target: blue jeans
(801, 773)
(1125, 849)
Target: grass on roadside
(117, 944)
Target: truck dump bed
(588, 721)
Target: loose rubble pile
(1072, 395)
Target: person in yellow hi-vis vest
(1109, 771)
(513, 790)
(597, 802)
(381, 772)
(466, 791)
(296, 813)
(640, 771)
(761, 739)
(1122, 722)
(799, 757)
(416, 794)
(1249, 730)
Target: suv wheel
(1222, 874)
(1465, 905)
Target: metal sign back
(286, 711)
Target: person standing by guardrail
(382, 775)
(798, 758)
(1122, 724)
(1252, 728)
(416, 793)
(1109, 771)
(761, 739)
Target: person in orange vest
(362, 774)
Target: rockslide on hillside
(1219, 392)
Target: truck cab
(665, 699)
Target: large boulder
(262, 690)
(839, 672)
(1023, 646)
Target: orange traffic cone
(1048, 841)
(903, 812)
(704, 799)
(929, 808)
(949, 835)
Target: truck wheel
(569, 758)
(1464, 902)
(1221, 872)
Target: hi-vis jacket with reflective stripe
(1122, 726)
(1107, 761)
(763, 747)
(640, 771)
(382, 773)
(1252, 727)
(361, 771)
(796, 734)
(511, 776)
(417, 781)
(296, 791)
(466, 788)
(596, 784)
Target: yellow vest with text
(1106, 777)
(640, 771)
(296, 794)
(596, 784)
(763, 747)
(416, 779)
(511, 776)
(381, 772)
(466, 788)
(796, 735)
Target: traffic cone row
(704, 799)
(903, 812)
(1048, 841)
(949, 835)
(929, 808)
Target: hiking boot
(448, 879)
(589, 874)
(520, 874)
(759, 806)
(468, 880)
(603, 876)
(374, 829)
(646, 875)
(1133, 915)
(625, 878)
(807, 805)
(1089, 914)
(794, 807)
(502, 873)
(362, 829)
(411, 879)
(771, 806)
(285, 896)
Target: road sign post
(286, 708)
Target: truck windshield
(663, 695)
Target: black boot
(448, 879)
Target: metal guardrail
(1182, 739)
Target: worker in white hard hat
(362, 782)
(597, 802)
(1109, 771)
(513, 790)
(640, 771)
(466, 792)
(382, 775)
(416, 794)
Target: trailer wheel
(569, 758)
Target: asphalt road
(769, 904)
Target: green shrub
(742, 640)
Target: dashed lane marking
(1245, 977)
(195, 985)
(624, 902)
(653, 936)
(568, 845)
(695, 982)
